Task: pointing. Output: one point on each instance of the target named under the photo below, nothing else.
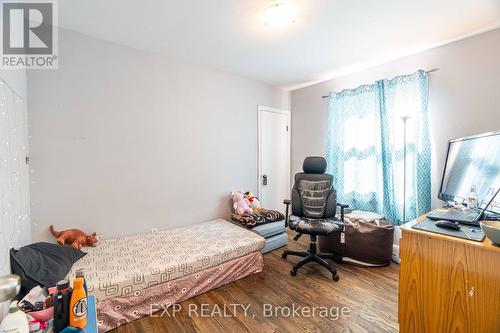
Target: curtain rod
(428, 72)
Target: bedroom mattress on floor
(120, 310)
(122, 266)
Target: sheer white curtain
(15, 226)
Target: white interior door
(274, 157)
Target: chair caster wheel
(293, 272)
(335, 277)
(284, 255)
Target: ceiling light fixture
(279, 14)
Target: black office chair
(314, 206)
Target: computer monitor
(472, 161)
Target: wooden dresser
(447, 284)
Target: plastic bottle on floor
(16, 321)
(62, 299)
(80, 273)
(78, 305)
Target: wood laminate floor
(363, 300)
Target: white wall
(15, 226)
(16, 79)
(464, 97)
(124, 141)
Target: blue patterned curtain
(365, 146)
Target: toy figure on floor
(74, 237)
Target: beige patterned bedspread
(121, 266)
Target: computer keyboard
(455, 215)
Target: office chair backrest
(312, 194)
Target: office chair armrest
(287, 203)
(342, 208)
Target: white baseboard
(395, 254)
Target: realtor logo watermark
(29, 34)
(206, 310)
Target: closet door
(15, 226)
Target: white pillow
(365, 216)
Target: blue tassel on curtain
(365, 146)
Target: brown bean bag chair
(368, 243)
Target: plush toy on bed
(253, 201)
(74, 237)
(240, 205)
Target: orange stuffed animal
(74, 237)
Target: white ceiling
(329, 37)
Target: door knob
(264, 180)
